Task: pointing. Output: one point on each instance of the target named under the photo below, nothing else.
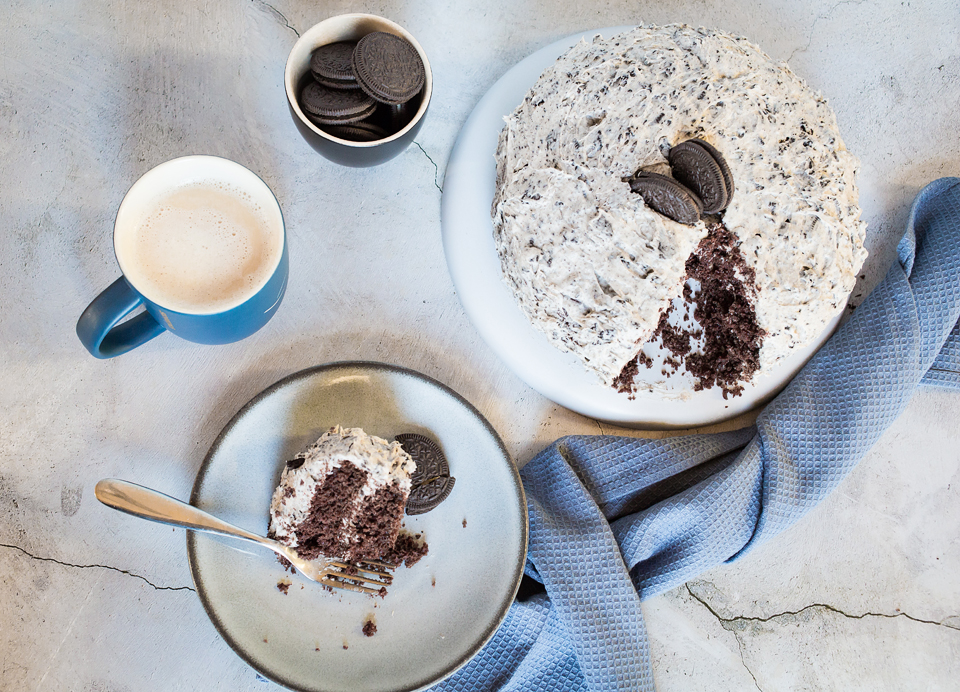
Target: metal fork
(365, 577)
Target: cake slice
(343, 497)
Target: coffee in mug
(200, 248)
(201, 244)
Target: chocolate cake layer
(725, 350)
(343, 497)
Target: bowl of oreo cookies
(358, 87)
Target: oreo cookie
(428, 495)
(702, 169)
(667, 196)
(426, 455)
(388, 68)
(357, 132)
(325, 106)
(431, 482)
(724, 168)
(332, 65)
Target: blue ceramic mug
(201, 245)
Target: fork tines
(372, 566)
(365, 577)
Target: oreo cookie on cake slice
(667, 196)
(332, 65)
(388, 68)
(325, 106)
(431, 481)
(429, 494)
(701, 168)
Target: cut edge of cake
(344, 496)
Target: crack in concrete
(278, 14)
(736, 635)
(743, 661)
(600, 426)
(817, 19)
(823, 606)
(114, 569)
(436, 169)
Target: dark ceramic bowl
(351, 27)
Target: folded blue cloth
(615, 520)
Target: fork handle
(149, 504)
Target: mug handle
(98, 326)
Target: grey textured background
(862, 594)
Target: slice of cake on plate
(343, 497)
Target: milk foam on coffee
(201, 248)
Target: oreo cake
(343, 497)
(597, 270)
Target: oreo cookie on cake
(699, 183)
(666, 196)
(701, 168)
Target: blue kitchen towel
(614, 520)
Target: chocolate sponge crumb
(675, 339)
(408, 550)
(730, 353)
(624, 381)
(725, 311)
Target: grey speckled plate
(437, 615)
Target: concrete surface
(861, 595)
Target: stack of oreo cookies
(701, 183)
(363, 90)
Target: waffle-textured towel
(615, 520)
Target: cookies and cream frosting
(592, 267)
(385, 464)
